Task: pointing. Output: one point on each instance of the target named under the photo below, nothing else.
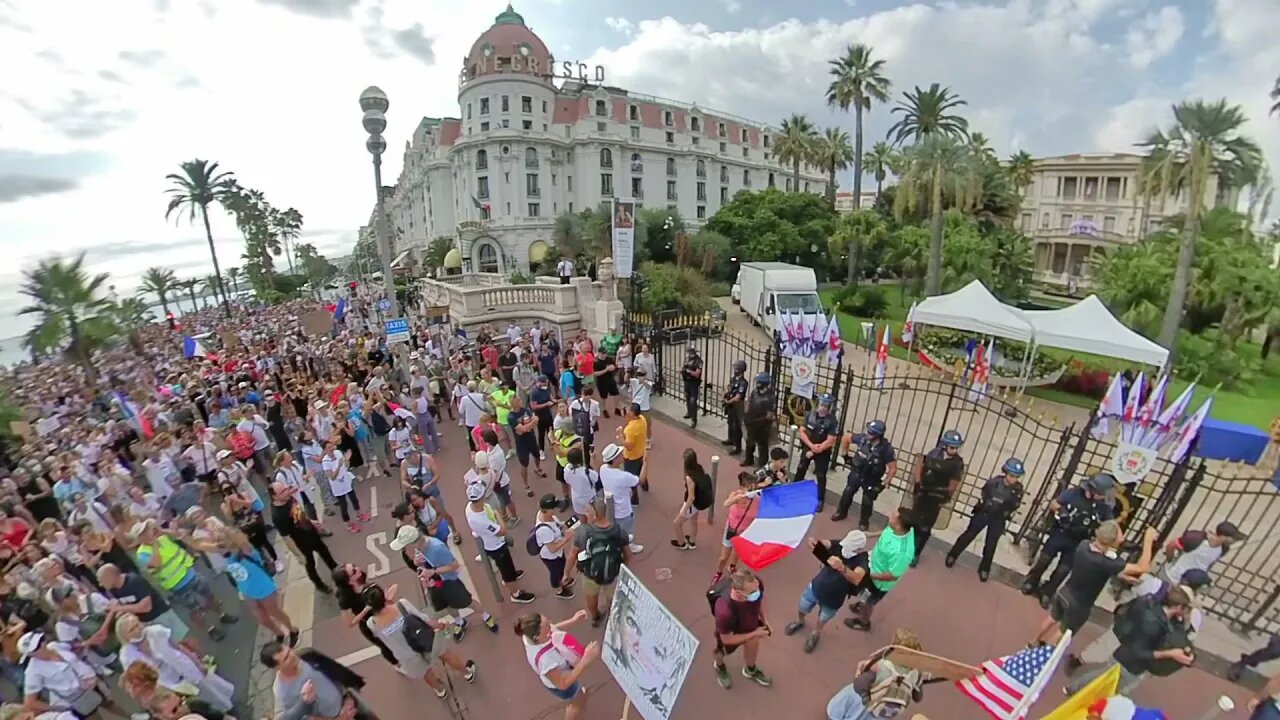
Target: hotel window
(544, 107)
(606, 158)
(746, 153)
(806, 186)
(702, 192)
(1113, 189)
(526, 104)
(468, 111)
(526, 125)
(1108, 223)
(1064, 221)
(724, 196)
(637, 163)
(1044, 220)
(553, 179)
(1025, 223)
(701, 168)
(695, 124)
(633, 112)
(723, 147)
(702, 212)
(601, 109)
(506, 104)
(635, 133)
(1069, 188)
(488, 258)
(568, 179)
(671, 138)
(535, 210)
(482, 160)
(482, 188)
(695, 140)
(600, 127)
(506, 123)
(671, 189)
(746, 178)
(671, 167)
(637, 187)
(531, 157)
(745, 135)
(668, 118)
(770, 179)
(531, 185)
(484, 127)
(724, 174)
(606, 184)
(766, 141)
(484, 106)
(720, 129)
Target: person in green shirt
(610, 343)
(501, 397)
(890, 560)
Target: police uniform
(868, 459)
(818, 428)
(938, 471)
(1076, 519)
(733, 407)
(997, 504)
(692, 374)
(758, 419)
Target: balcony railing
(637, 166)
(1068, 234)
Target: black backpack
(604, 555)
(417, 633)
(581, 417)
(716, 591)
(531, 544)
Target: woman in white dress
(180, 669)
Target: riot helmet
(826, 401)
(952, 439)
(763, 379)
(739, 367)
(1013, 466)
(876, 428)
(1101, 484)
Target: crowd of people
(150, 488)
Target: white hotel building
(532, 143)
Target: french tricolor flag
(191, 347)
(781, 524)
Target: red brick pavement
(954, 615)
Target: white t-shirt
(323, 425)
(339, 475)
(473, 406)
(618, 483)
(95, 513)
(202, 456)
(641, 390)
(564, 268)
(485, 525)
(581, 482)
(498, 465)
(255, 428)
(238, 475)
(543, 658)
(513, 333)
(52, 676)
(1201, 558)
(401, 441)
(547, 533)
(160, 474)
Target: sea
(12, 352)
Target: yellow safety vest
(566, 441)
(175, 562)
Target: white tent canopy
(975, 309)
(1088, 326)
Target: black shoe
(519, 574)
(837, 516)
(857, 624)
(686, 416)
(746, 462)
(1072, 664)
(1044, 601)
(735, 451)
(1235, 672)
(216, 634)
(1027, 588)
(727, 443)
(863, 527)
(984, 575)
(950, 561)
(915, 561)
(228, 619)
(293, 638)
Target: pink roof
(450, 131)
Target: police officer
(1001, 496)
(1077, 512)
(817, 438)
(759, 418)
(734, 398)
(869, 457)
(937, 479)
(691, 372)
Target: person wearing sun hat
(55, 679)
(437, 569)
(489, 529)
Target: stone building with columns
(536, 137)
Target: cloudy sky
(100, 100)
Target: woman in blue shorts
(248, 572)
(554, 662)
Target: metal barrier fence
(918, 404)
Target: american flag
(1007, 686)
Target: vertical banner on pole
(624, 236)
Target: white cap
(223, 454)
(405, 536)
(1118, 708)
(853, 543)
(611, 452)
(28, 644)
(320, 405)
(141, 527)
(481, 460)
(475, 491)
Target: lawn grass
(1257, 405)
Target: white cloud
(619, 25)
(1153, 36)
(731, 6)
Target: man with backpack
(1101, 649)
(737, 603)
(584, 413)
(601, 547)
(1151, 630)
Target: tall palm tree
(288, 227)
(1275, 95)
(199, 185)
(938, 167)
(72, 314)
(856, 80)
(209, 285)
(879, 161)
(190, 285)
(795, 146)
(980, 146)
(159, 281)
(1021, 169)
(928, 112)
(1204, 141)
(833, 151)
(233, 276)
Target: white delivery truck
(768, 288)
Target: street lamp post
(374, 103)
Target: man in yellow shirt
(634, 436)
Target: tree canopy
(775, 225)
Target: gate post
(1035, 512)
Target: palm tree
(1204, 141)
(939, 166)
(209, 285)
(928, 112)
(72, 314)
(879, 160)
(980, 146)
(159, 281)
(1021, 168)
(795, 146)
(190, 285)
(287, 225)
(858, 229)
(233, 276)
(130, 316)
(856, 80)
(1275, 95)
(833, 152)
(192, 191)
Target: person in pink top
(742, 508)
